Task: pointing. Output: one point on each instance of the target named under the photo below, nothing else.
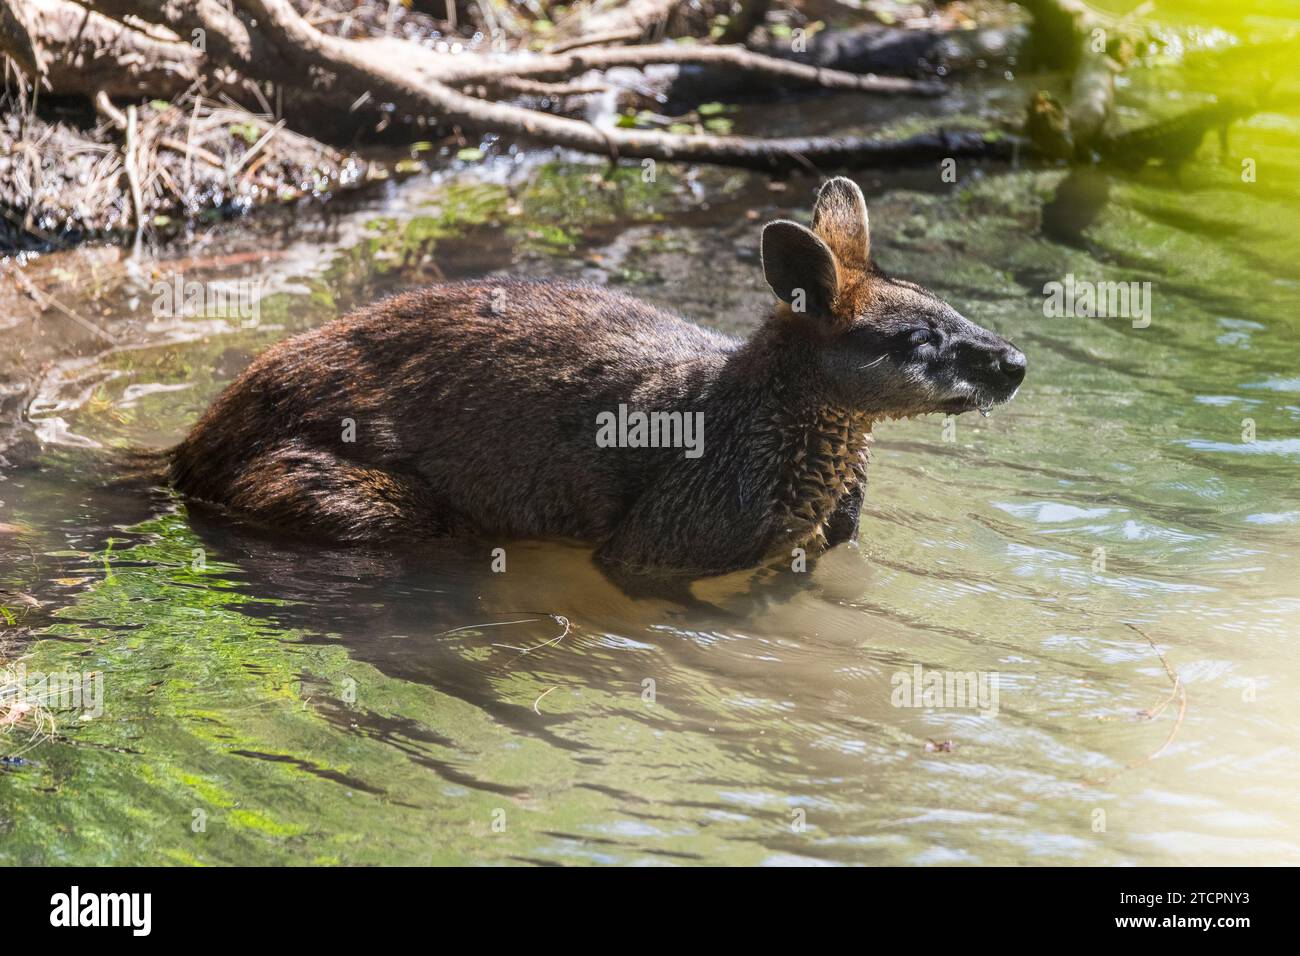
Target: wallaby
(486, 408)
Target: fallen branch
(551, 67)
(596, 39)
(1173, 141)
(224, 35)
(20, 38)
(514, 86)
(81, 51)
(360, 68)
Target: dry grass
(25, 723)
(71, 179)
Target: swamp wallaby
(487, 408)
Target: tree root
(360, 68)
(71, 48)
(283, 48)
(790, 73)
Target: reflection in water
(268, 701)
(1078, 202)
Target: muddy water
(268, 702)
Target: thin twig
(45, 300)
(470, 627)
(189, 144)
(266, 138)
(558, 619)
(132, 160)
(539, 699)
(1178, 688)
(596, 39)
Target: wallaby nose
(1012, 364)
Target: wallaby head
(878, 346)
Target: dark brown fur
(475, 409)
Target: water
(274, 703)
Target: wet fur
(475, 409)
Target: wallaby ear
(799, 267)
(840, 218)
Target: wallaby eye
(921, 336)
